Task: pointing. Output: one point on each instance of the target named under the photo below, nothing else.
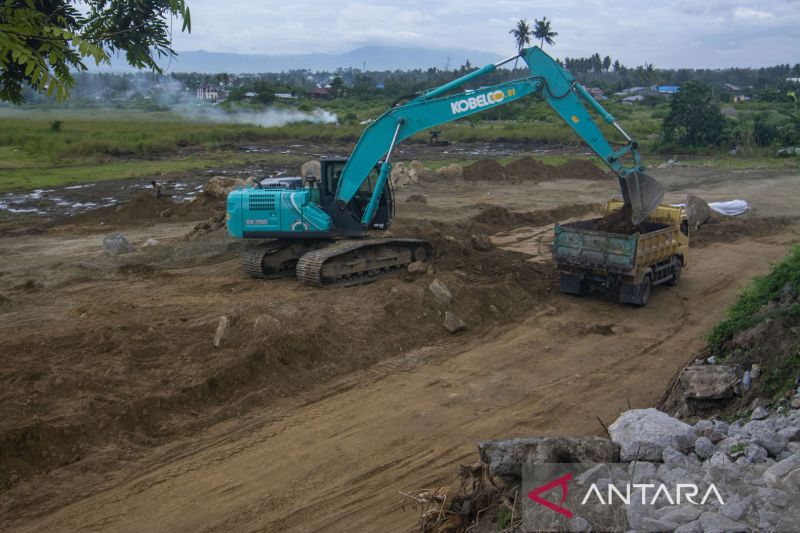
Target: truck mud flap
(570, 284)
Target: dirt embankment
(531, 169)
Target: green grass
(745, 311)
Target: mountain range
(373, 57)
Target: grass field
(41, 147)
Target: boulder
(759, 413)
(453, 172)
(220, 186)
(452, 323)
(642, 434)
(440, 292)
(708, 382)
(417, 268)
(150, 242)
(117, 244)
(506, 457)
(697, 211)
(785, 472)
(311, 168)
(704, 448)
(481, 242)
(756, 454)
(404, 174)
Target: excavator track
(275, 259)
(354, 262)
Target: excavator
(317, 226)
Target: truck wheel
(644, 291)
(570, 284)
(676, 273)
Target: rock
(690, 527)
(311, 168)
(441, 292)
(697, 211)
(481, 243)
(642, 434)
(791, 434)
(680, 514)
(759, 413)
(150, 242)
(222, 330)
(116, 244)
(453, 171)
(578, 523)
(755, 371)
(770, 441)
(452, 323)
(786, 470)
(795, 403)
(704, 448)
(671, 456)
(708, 382)
(403, 174)
(651, 524)
(787, 295)
(417, 267)
(716, 523)
(683, 443)
(735, 508)
(756, 454)
(220, 186)
(506, 457)
(711, 430)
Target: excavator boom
(557, 87)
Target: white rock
(222, 329)
(642, 434)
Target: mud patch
(531, 169)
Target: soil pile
(531, 169)
(485, 169)
(720, 228)
(145, 208)
(499, 218)
(618, 221)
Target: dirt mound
(485, 169)
(498, 218)
(720, 228)
(417, 198)
(618, 221)
(581, 169)
(532, 169)
(145, 208)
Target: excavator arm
(556, 86)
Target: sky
(666, 33)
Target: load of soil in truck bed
(618, 221)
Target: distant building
(630, 100)
(631, 91)
(207, 93)
(597, 93)
(793, 80)
(285, 96)
(731, 87)
(320, 92)
(667, 90)
(739, 98)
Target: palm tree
(522, 34)
(543, 32)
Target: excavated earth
(117, 410)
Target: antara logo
(475, 102)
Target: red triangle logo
(560, 482)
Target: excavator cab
(331, 173)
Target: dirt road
(117, 412)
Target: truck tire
(644, 291)
(569, 284)
(677, 265)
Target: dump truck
(631, 264)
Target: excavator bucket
(643, 194)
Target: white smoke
(271, 117)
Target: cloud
(669, 33)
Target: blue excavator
(318, 226)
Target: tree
(607, 63)
(694, 117)
(41, 41)
(543, 32)
(617, 66)
(337, 86)
(522, 34)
